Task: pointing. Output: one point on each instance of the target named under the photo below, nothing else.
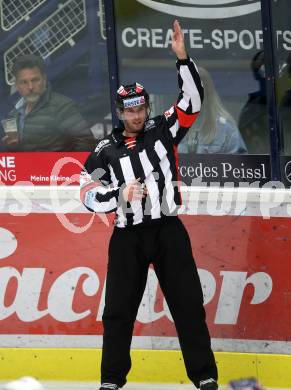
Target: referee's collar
(118, 137)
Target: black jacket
(54, 125)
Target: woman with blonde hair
(215, 130)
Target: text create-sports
(217, 39)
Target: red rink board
(49, 259)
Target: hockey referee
(134, 172)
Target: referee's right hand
(134, 191)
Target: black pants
(167, 246)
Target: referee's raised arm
(183, 114)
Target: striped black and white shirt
(153, 159)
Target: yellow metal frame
(152, 366)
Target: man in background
(46, 121)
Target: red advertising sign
(52, 280)
(41, 168)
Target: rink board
(149, 366)
(52, 272)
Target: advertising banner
(52, 280)
(213, 29)
(222, 36)
(64, 169)
(224, 169)
(54, 168)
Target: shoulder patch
(102, 144)
(149, 125)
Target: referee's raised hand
(178, 41)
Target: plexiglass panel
(226, 41)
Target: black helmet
(131, 95)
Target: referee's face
(134, 119)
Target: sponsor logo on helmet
(121, 91)
(139, 88)
(205, 9)
(136, 101)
